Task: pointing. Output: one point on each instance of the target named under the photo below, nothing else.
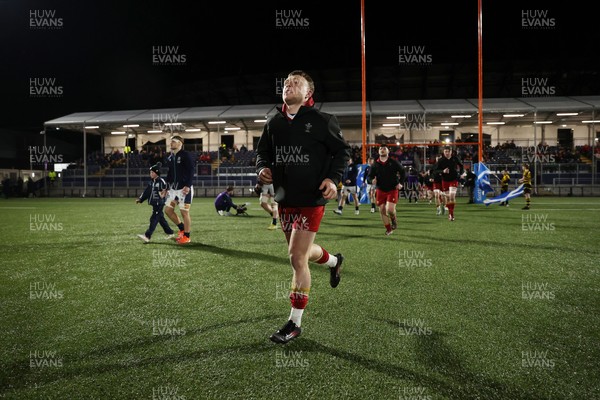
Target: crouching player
(224, 203)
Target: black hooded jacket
(301, 153)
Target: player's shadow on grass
(154, 339)
(451, 378)
(236, 253)
(19, 374)
(248, 216)
(225, 251)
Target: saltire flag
(361, 180)
(482, 182)
(505, 196)
(483, 179)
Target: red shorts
(447, 185)
(301, 218)
(384, 197)
(437, 186)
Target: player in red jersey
(303, 154)
(387, 173)
(451, 169)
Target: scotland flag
(363, 197)
(482, 183)
(505, 196)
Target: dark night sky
(102, 55)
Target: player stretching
(302, 153)
(387, 173)
(449, 165)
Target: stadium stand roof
(349, 113)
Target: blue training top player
(369, 184)
(349, 187)
(224, 203)
(179, 178)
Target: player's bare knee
(297, 260)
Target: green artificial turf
(499, 304)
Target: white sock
(332, 261)
(296, 315)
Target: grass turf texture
(499, 304)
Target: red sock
(451, 208)
(324, 258)
(299, 300)
(388, 227)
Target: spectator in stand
(223, 153)
(158, 156)
(205, 157)
(52, 175)
(116, 155)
